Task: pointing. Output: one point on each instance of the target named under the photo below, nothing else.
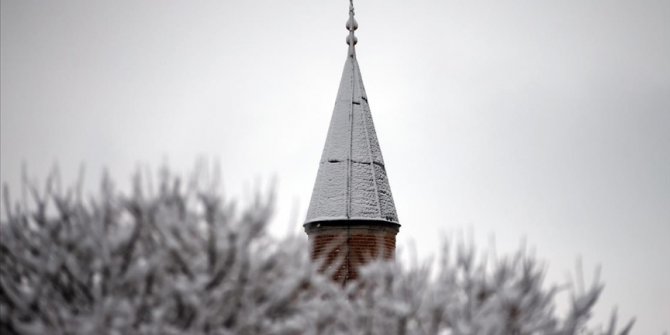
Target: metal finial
(352, 25)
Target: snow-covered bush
(178, 259)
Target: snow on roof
(351, 183)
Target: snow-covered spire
(351, 183)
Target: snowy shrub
(178, 259)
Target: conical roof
(351, 183)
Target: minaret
(351, 217)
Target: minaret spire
(352, 25)
(351, 216)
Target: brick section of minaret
(343, 250)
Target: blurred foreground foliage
(175, 258)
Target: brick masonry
(343, 249)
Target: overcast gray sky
(548, 120)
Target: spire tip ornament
(351, 25)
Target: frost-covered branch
(171, 259)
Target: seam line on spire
(351, 138)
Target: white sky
(543, 120)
